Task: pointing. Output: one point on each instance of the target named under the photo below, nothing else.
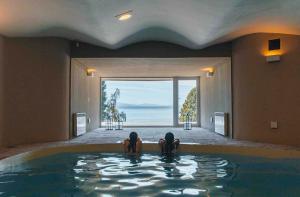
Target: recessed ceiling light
(124, 16)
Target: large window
(149, 102)
(143, 102)
(187, 100)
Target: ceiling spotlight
(124, 16)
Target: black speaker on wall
(274, 44)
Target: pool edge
(149, 147)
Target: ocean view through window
(145, 102)
(149, 101)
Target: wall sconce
(90, 72)
(209, 72)
(274, 52)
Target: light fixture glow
(273, 52)
(90, 72)
(124, 16)
(209, 71)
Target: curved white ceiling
(191, 23)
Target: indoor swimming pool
(115, 174)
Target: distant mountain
(141, 106)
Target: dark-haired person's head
(169, 138)
(133, 136)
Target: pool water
(113, 174)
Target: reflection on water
(116, 174)
(187, 174)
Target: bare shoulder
(126, 141)
(176, 142)
(161, 141)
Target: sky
(149, 92)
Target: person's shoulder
(161, 140)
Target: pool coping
(257, 151)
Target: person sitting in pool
(133, 144)
(168, 145)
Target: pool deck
(196, 135)
(149, 135)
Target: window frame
(176, 98)
(175, 91)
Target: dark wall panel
(148, 50)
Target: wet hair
(169, 145)
(133, 136)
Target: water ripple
(110, 174)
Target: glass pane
(145, 103)
(187, 101)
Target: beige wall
(215, 93)
(151, 67)
(34, 91)
(85, 94)
(266, 91)
(35, 84)
(1, 87)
